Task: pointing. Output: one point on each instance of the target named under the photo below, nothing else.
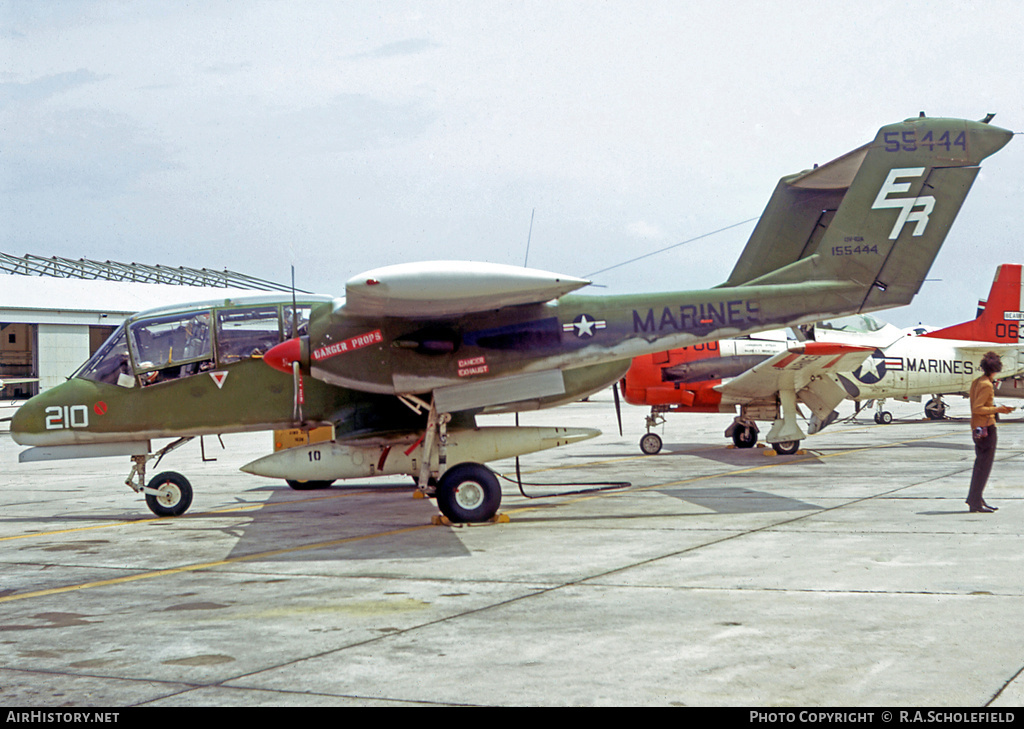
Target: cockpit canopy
(857, 323)
(156, 347)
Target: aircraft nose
(21, 422)
(284, 354)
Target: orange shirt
(983, 410)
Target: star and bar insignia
(584, 326)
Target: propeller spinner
(282, 356)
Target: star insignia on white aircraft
(584, 326)
(873, 368)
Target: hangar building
(55, 312)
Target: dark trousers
(984, 454)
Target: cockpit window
(297, 324)
(171, 346)
(860, 323)
(110, 363)
(245, 333)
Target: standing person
(983, 428)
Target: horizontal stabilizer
(796, 217)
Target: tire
(744, 437)
(883, 418)
(786, 448)
(175, 494)
(468, 493)
(651, 444)
(308, 485)
(935, 409)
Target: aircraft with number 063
(401, 366)
(857, 358)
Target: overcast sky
(338, 136)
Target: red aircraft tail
(1000, 317)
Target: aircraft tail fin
(1000, 317)
(875, 217)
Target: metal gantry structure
(83, 268)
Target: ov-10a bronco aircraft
(404, 362)
(856, 358)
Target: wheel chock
(442, 520)
(773, 452)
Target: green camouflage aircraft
(404, 362)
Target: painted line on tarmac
(196, 515)
(208, 565)
(405, 530)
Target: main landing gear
(935, 409)
(466, 493)
(744, 436)
(786, 448)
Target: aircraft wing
(450, 288)
(794, 368)
(1012, 356)
(803, 371)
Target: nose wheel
(650, 443)
(168, 494)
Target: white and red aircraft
(857, 358)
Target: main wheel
(173, 497)
(935, 409)
(650, 443)
(468, 493)
(308, 485)
(744, 436)
(786, 448)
